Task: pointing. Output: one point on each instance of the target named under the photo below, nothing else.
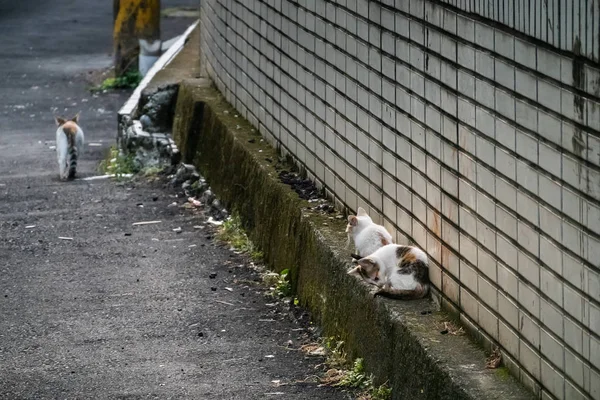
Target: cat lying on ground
(400, 272)
(367, 235)
(69, 144)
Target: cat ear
(352, 220)
(355, 271)
(361, 212)
(367, 263)
(59, 121)
(75, 118)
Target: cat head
(60, 121)
(368, 269)
(358, 221)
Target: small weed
(356, 377)
(383, 392)
(339, 375)
(283, 287)
(117, 164)
(279, 283)
(233, 233)
(336, 357)
(129, 80)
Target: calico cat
(367, 235)
(400, 272)
(69, 144)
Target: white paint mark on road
(146, 223)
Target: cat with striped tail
(69, 145)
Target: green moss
(502, 373)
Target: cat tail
(72, 153)
(417, 293)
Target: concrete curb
(400, 341)
(164, 60)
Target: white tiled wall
(479, 145)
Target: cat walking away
(367, 235)
(400, 272)
(69, 145)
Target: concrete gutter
(401, 342)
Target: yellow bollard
(133, 20)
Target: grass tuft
(117, 164)
(129, 80)
(233, 233)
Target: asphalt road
(118, 312)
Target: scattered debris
(146, 223)
(30, 227)
(94, 144)
(194, 202)
(65, 238)
(214, 222)
(229, 289)
(177, 230)
(494, 360)
(451, 328)
(313, 349)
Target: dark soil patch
(305, 188)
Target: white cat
(400, 272)
(69, 145)
(367, 235)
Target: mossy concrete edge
(400, 342)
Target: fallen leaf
(494, 360)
